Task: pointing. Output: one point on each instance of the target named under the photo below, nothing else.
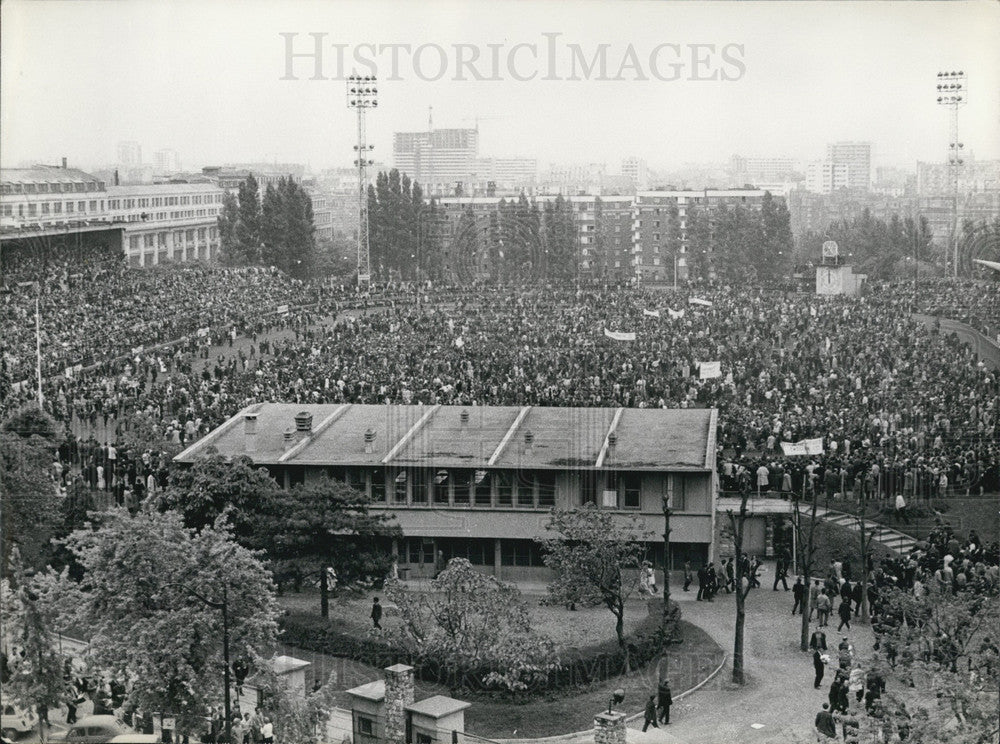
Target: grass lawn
(582, 627)
(564, 711)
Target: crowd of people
(945, 564)
(901, 410)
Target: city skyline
(789, 79)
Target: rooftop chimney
(369, 442)
(464, 418)
(64, 163)
(289, 438)
(303, 422)
(529, 439)
(250, 432)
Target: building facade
(439, 158)
(660, 240)
(826, 176)
(479, 482)
(167, 222)
(858, 157)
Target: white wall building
(825, 176)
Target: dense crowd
(901, 409)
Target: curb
(588, 732)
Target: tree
(299, 718)
(473, 621)
(947, 645)
(325, 524)
(247, 231)
(806, 543)
(738, 524)
(29, 500)
(37, 670)
(228, 220)
(214, 486)
(594, 558)
(151, 598)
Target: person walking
(781, 572)
(819, 667)
(376, 614)
(798, 594)
(825, 724)
(813, 596)
(665, 701)
(845, 614)
(650, 713)
(267, 732)
(688, 576)
(901, 509)
(823, 606)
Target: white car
(15, 720)
(104, 730)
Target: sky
(563, 82)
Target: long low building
(479, 482)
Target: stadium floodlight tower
(953, 92)
(362, 94)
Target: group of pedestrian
(658, 706)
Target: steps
(894, 540)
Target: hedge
(588, 664)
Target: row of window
(478, 551)
(152, 240)
(487, 488)
(51, 188)
(34, 209)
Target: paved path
(778, 702)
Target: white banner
(699, 301)
(651, 313)
(619, 335)
(803, 447)
(137, 349)
(675, 313)
(202, 332)
(709, 370)
(282, 309)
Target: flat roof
(438, 706)
(374, 691)
(479, 437)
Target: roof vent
(369, 441)
(303, 422)
(612, 439)
(529, 439)
(464, 417)
(289, 438)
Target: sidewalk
(778, 702)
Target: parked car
(15, 721)
(105, 730)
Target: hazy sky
(204, 77)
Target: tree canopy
(471, 620)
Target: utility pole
(953, 92)
(361, 95)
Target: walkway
(778, 703)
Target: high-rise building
(825, 176)
(438, 159)
(756, 171)
(857, 156)
(166, 161)
(129, 154)
(636, 171)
